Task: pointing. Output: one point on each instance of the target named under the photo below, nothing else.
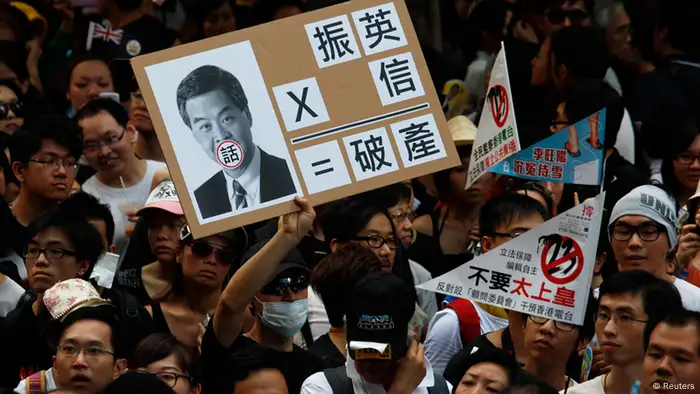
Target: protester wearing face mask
(278, 302)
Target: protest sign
(546, 271)
(497, 137)
(572, 155)
(323, 105)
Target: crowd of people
(324, 299)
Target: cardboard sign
(497, 137)
(572, 155)
(545, 272)
(324, 105)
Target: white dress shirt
(318, 384)
(249, 180)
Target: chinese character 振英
(379, 27)
(373, 156)
(420, 142)
(333, 41)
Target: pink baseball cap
(164, 197)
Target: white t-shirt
(318, 384)
(114, 196)
(10, 293)
(594, 386)
(444, 337)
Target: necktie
(239, 196)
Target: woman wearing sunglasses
(11, 107)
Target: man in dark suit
(213, 105)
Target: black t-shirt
(325, 349)
(215, 356)
(14, 240)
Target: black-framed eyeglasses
(108, 141)
(90, 352)
(278, 286)
(49, 253)
(400, 217)
(203, 249)
(16, 106)
(687, 158)
(648, 232)
(376, 242)
(559, 325)
(55, 164)
(169, 378)
(620, 320)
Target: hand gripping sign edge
(499, 104)
(565, 250)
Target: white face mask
(284, 318)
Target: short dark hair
(245, 362)
(265, 10)
(13, 86)
(680, 18)
(158, 346)
(345, 218)
(85, 238)
(207, 79)
(658, 296)
(528, 186)
(676, 317)
(27, 141)
(90, 206)
(105, 313)
(389, 196)
(128, 5)
(504, 209)
(488, 16)
(82, 57)
(589, 96)
(103, 105)
(685, 129)
(336, 274)
(582, 50)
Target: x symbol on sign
(302, 103)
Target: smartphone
(692, 211)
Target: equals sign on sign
(318, 167)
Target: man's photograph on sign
(231, 152)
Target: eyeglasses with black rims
(621, 320)
(399, 217)
(49, 253)
(69, 164)
(169, 378)
(109, 140)
(90, 352)
(559, 325)
(376, 242)
(203, 249)
(647, 232)
(278, 286)
(687, 158)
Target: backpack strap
(306, 334)
(338, 380)
(440, 385)
(36, 383)
(469, 322)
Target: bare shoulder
(424, 225)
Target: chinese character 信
(500, 281)
(530, 168)
(373, 156)
(543, 170)
(565, 297)
(478, 275)
(537, 153)
(420, 142)
(522, 286)
(397, 77)
(550, 155)
(379, 27)
(333, 41)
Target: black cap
(292, 261)
(380, 310)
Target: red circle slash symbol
(498, 102)
(561, 259)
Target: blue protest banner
(572, 155)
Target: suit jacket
(275, 182)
